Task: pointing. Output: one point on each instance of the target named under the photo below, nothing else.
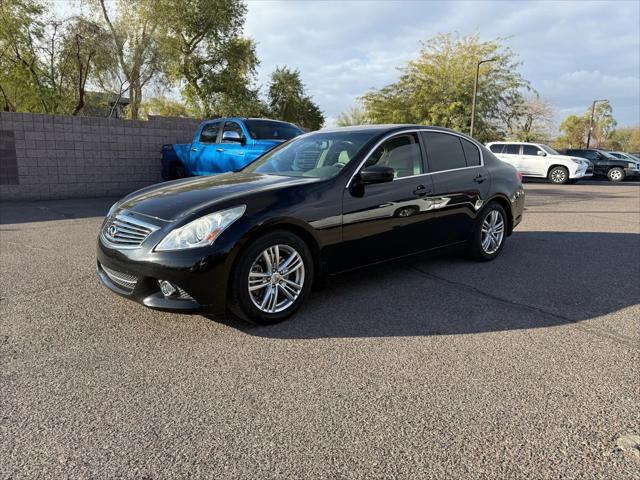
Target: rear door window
(471, 153)
(511, 149)
(444, 151)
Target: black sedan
(253, 242)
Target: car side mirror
(232, 137)
(376, 174)
(540, 153)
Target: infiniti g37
(253, 242)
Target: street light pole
(475, 92)
(593, 111)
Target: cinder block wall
(59, 156)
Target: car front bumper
(200, 277)
(632, 172)
(582, 172)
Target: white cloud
(572, 52)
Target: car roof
(239, 119)
(381, 128)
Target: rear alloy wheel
(559, 175)
(489, 233)
(272, 278)
(616, 174)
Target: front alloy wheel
(559, 175)
(276, 278)
(616, 174)
(272, 277)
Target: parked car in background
(323, 203)
(607, 165)
(542, 161)
(626, 156)
(224, 145)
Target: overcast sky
(572, 51)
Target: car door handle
(194, 149)
(479, 178)
(219, 149)
(421, 191)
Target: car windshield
(317, 155)
(607, 155)
(625, 156)
(270, 130)
(548, 149)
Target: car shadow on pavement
(542, 279)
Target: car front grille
(183, 295)
(123, 280)
(126, 231)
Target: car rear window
(496, 147)
(270, 130)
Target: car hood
(173, 200)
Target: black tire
(476, 251)
(176, 171)
(240, 301)
(616, 174)
(558, 175)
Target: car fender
(507, 204)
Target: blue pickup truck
(224, 145)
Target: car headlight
(633, 166)
(579, 162)
(200, 232)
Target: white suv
(542, 161)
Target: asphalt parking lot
(526, 367)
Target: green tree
(84, 54)
(603, 123)
(354, 116)
(136, 36)
(205, 51)
(23, 83)
(46, 63)
(573, 132)
(574, 129)
(626, 139)
(164, 107)
(437, 87)
(287, 100)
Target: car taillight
(519, 175)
